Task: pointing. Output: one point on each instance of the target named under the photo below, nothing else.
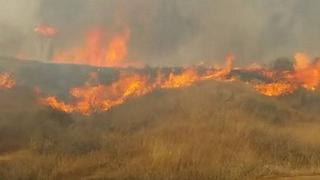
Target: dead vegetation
(211, 130)
(208, 131)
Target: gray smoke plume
(173, 32)
(17, 19)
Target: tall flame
(305, 75)
(98, 50)
(117, 50)
(213, 74)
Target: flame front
(186, 78)
(6, 81)
(275, 89)
(306, 74)
(93, 97)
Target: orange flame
(117, 49)
(275, 89)
(186, 78)
(97, 51)
(305, 75)
(6, 81)
(54, 103)
(213, 74)
(96, 97)
(93, 97)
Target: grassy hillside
(212, 130)
(208, 131)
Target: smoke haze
(171, 32)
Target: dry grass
(208, 131)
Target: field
(211, 130)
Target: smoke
(16, 21)
(255, 30)
(175, 32)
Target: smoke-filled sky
(172, 32)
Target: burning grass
(275, 89)
(95, 97)
(182, 126)
(213, 135)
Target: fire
(93, 97)
(102, 50)
(305, 75)
(302, 61)
(190, 75)
(54, 103)
(6, 81)
(117, 50)
(186, 78)
(275, 89)
(213, 74)
(46, 31)
(99, 50)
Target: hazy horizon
(171, 32)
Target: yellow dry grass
(209, 131)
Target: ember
(46, 31)
(6, 81)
